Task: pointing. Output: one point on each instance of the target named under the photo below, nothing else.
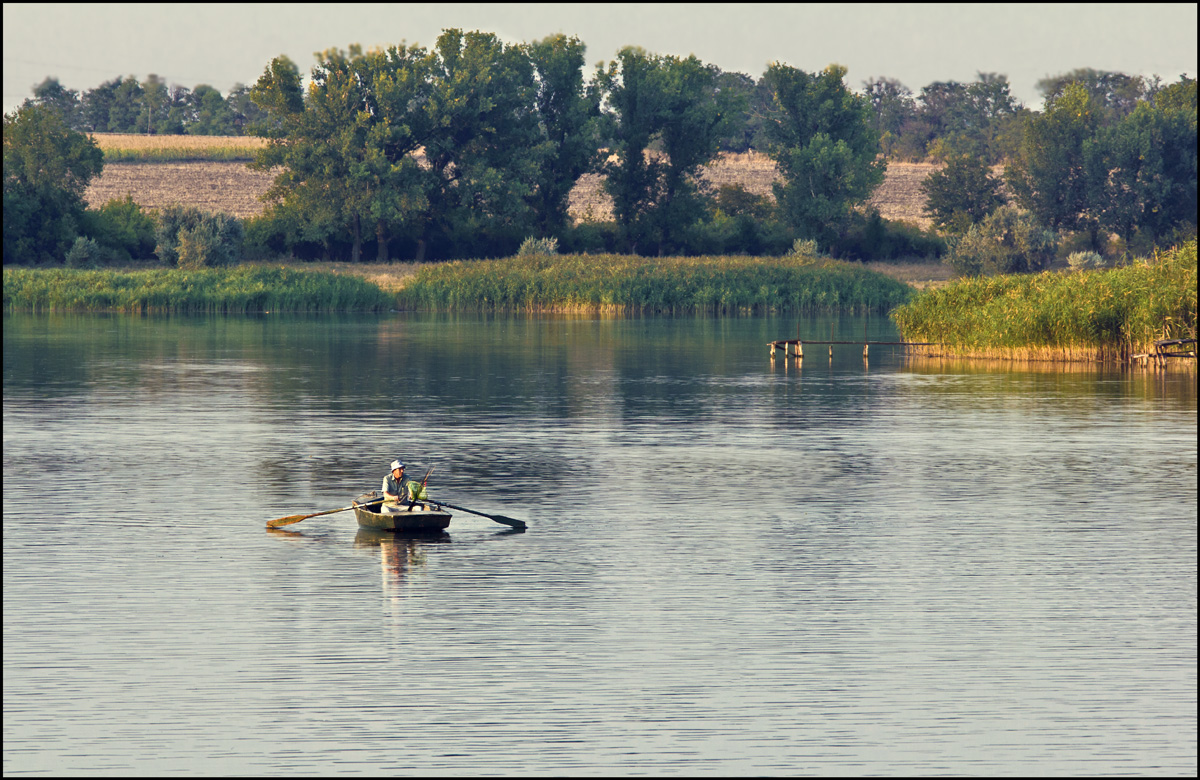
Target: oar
(518, 524)
(297, 518)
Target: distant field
(123, 147)
(211, 186)
(210, 172)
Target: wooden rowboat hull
(425, 518)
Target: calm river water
(733, 566)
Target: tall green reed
(241, 289)
(719, 285)
(1086, 315)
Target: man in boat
(395, 489)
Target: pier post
(865, 346)
(799, 348)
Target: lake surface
(733, 565)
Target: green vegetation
(718, 285)
(1007, 241)
(826, 148)
(47, 167)
(1086, 315)
(464, 148)
(675, 104)
(961, 194)
(235, 290)
(178, 154)
(189, 238)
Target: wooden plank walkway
(1158, 356)
(795, 347)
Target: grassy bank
(243, 289)
(1088, 315)
(718, 285)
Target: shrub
(871, 237)
(1007, 241)
(591, 237)
(804, 247)
(121, 226)
(190, 238)
(1081, 261)
(88, 253)
(533, 247)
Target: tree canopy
(47, 167)
(822, 137)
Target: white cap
(397, 465)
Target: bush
(121, 226)
(804, 247)
(1007, 241)
(534, 247)
(871, 237)
(88, 253)
(189, 238)
(1081, 261)
(591, 237)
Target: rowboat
(423, 517)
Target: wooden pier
(1157, 357)
(1166, 348)
(795, 347)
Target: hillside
(231, 187)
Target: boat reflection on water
(399, 554)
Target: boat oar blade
(519, 524)
(509, 521)
(286, 520)
(297, 518)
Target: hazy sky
(220, 45)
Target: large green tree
(209, 113)
(47, 167)
(441, 145)
(1113, 94)
(1146, 164)
(125, 107)
(52, 94)
(568, 112)
(961, 194)
(822, 137)
(675, 103)
(298, 152)
(484, 143)
(1049, 175)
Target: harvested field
(211, 186)
(231, 187)
(898, 198)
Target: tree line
(944, 119)
(149, 107)
(1108, 181)
(468, 147)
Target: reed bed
(122, 147)
(1099, 315)
(674, 285)
(240, 289)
